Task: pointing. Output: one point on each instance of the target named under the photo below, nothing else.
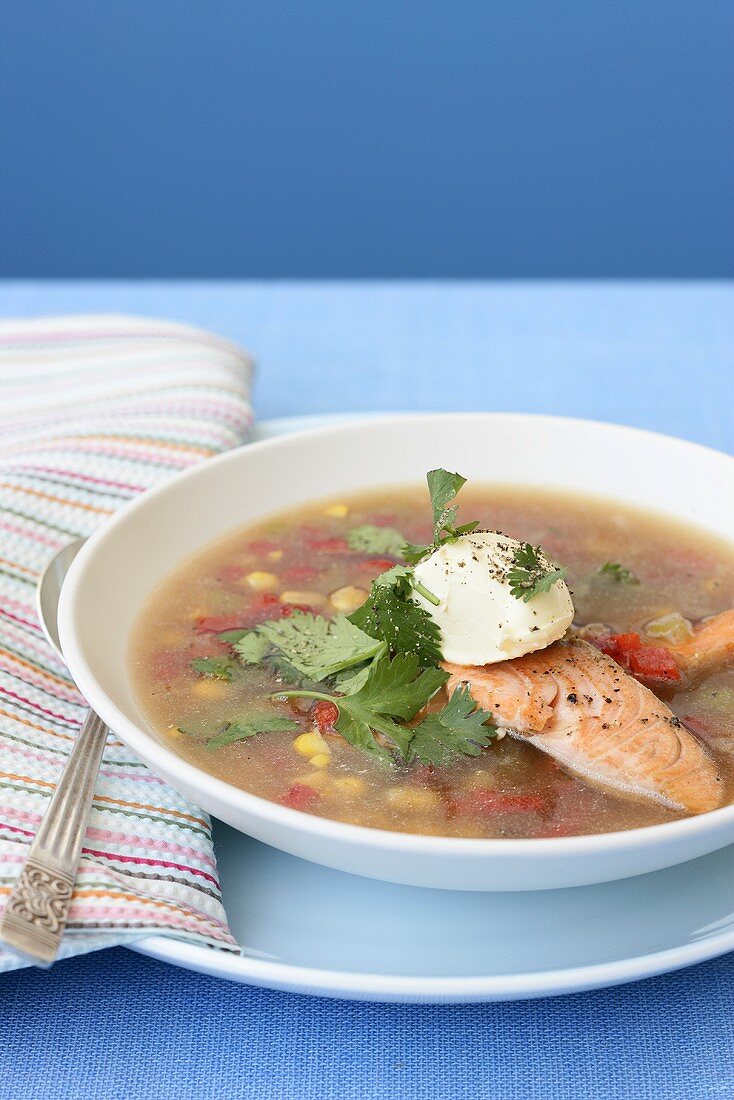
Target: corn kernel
(310, 744)
(210, 689)
(262, 581)
(310, 599)
(338, 511)
(348, 598)
(318, 780)
(350, 784)
(671, 628)
(320, 760)
(275, 555)
(411, 798)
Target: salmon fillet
(580, 707)
(711, 645)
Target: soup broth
(302, 561)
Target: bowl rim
(154, 751)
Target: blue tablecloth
(115, 1025)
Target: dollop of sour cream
(481, 622)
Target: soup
(213, 684)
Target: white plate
(307, 929)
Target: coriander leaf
(370, 539)
(413, 553)
(457, 729)
(232, 636)
(399, 577)
(250, 726)
(251, 648)
(395, 688)
(401, 622)
(319, 647)
(350, 681)
(216, 668)
(442, 488)
(284, 670)
(532, 573)
(392, 692)
(618, 573)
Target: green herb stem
(425, 593)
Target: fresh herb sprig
(618, 573)
(443, 487)
(215, 668)
(392, 692)
(531, 573)
(459, 729)
(391, 614)
(251, 726)
(315, 646)
(369, 539)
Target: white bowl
(119, 567)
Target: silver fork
(35, 916)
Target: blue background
(397, 138)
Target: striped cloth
(94, 410)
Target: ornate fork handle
(35, 915)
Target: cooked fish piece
(580, 707)
(712, 645)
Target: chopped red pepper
(216, 624)
(484, 800)
(299, 574)
(262, 546)
(330, 546)
(286, 610)
(168, 664)
(324, 714)
(376, 565)
(299, 796)
(653, 663)
(696, 725)
(230, 573)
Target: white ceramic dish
(308, 929)
(124, 561)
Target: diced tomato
(324, 714)
(484, 800)
(264, 603)
(617, 646)
(300, 574)
(645, 662)
(696, 725)
(168, 664)
(329, 546)
(299, 796)
(286, 610)
(216, 624)
(262, 546)
(424, 775)
(230, 572)
(653, 663)
(376, 565)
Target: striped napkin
(94, 410)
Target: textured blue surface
(118, 1026)
(345, 138)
